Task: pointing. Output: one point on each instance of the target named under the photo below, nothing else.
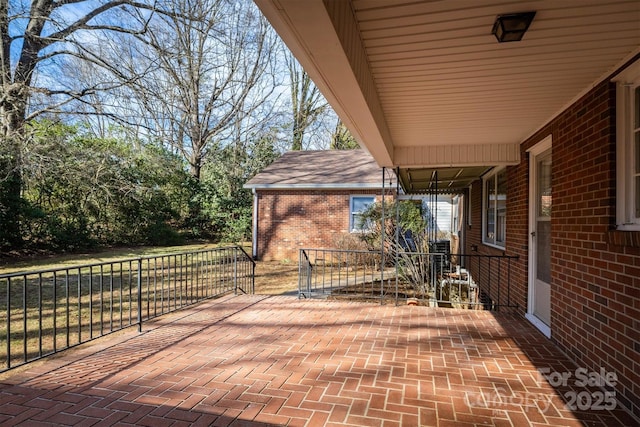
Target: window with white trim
(358, 205)
(494, 213)
(628, 148)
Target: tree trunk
(195, 167)
(12, 111)
(298, 134)
(13, 108)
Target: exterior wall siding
(294, 219)
(595, 274)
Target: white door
(539, 306)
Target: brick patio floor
(259, 360)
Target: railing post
(382, 238)
(9, 323)
(235, 272)
(307, 269)
(300, 254)
(139, 294)
(253, 277)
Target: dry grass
(276, 278)
(272, 277)
(55, 311)
(44, 311)
(20, 264)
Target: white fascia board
(323, 37)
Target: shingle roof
(321, 169)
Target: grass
(13, 265)
(276, 278)
(272, 277)
(67, 309)
(50, 311)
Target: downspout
(382, 230)
(397, 243)
(254, 233)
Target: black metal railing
(324, 272)
(435, 279)
(47, 311)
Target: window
(494, 220)
(455, 215)
(359, 204)
(628, 148)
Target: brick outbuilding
(312, 199)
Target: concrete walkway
(259, 360)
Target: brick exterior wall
(595, 272)
(515, 270)
(289, 220)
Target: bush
(411, 248)
(350, 242)
(162, 234)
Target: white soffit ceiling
(408, 77)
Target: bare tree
(210, 62)
(37, 38)
(307, 102)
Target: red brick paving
(257, 360)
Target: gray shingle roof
(321, 169)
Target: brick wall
(515, 271)
(595, 289)
(295, 219)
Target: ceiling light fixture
(511, 27)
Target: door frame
(534, 152)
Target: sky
(56, 73)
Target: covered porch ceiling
(425, 85)
(452, 180)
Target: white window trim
(626, 83)
(352, 228)
(493, 244)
